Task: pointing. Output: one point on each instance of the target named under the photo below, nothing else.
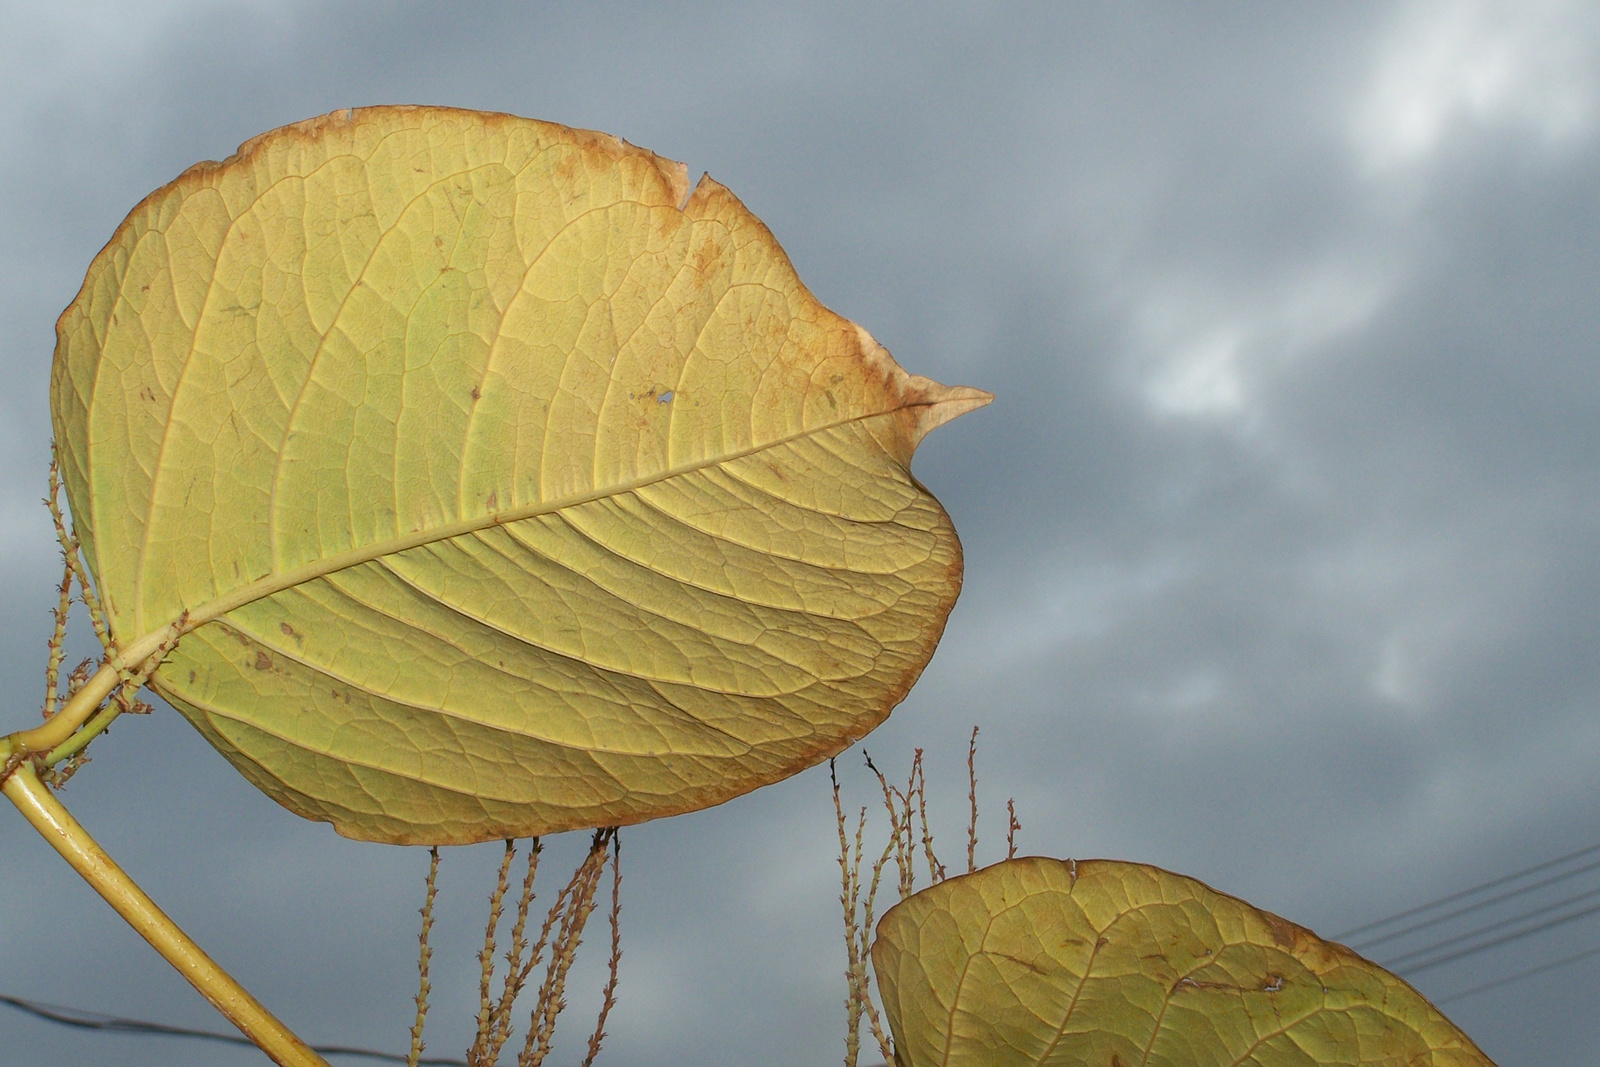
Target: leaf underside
(1107, 964)
(512, 491)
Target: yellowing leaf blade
(1048, 962)
(503, 495)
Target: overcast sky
(1282, 534)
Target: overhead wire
(1428, 950)
(1486, 936)
(86, 1020)
(1428, 965)
(1479, 906)
(1464, 893)
(1519, 976)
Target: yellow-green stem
(40, 807)
(83, 704)
(78, 741)
(72, 714)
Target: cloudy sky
(1282, 534)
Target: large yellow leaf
(509, 487)
(1107, 964)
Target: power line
(1473, 941)
(1427, 965)
(87, 1020)
(1468, 935)
(1480, 905)
(1453, 897)
(1520, 975)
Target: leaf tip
(932, 404)
(952, 402)
(928, 403)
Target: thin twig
(1011, 829)
(972, 801)
(608, 998)
(72, 549)
(850, 887)
(864, 990)
(935, 868)
(536, 955)
(480, 1042)
(502, 1018)
(908, 875)
(424, 958)
(58, 643)
(899, 830)
(563, 949)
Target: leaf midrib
(276, 582)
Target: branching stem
(77, 710)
